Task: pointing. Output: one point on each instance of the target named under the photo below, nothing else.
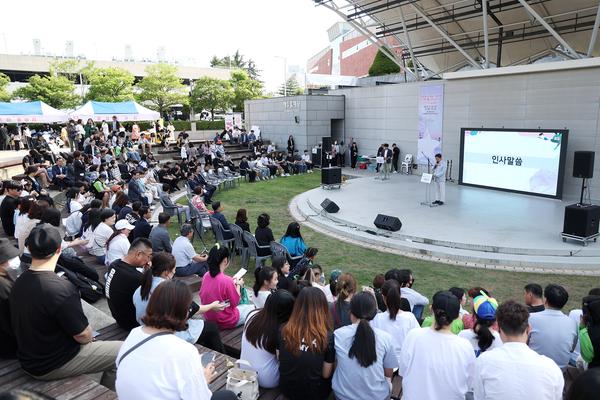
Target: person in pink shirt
(216, 286)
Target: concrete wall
(276, 118)
(557, 99)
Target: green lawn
(273, 197)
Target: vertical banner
(431, 116)
(228, 122)
(237, 120)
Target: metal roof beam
(385, 5)
(594, 33)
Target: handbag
(244, 298)
(243, 382)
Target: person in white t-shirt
(394, 321)
(261, 332)
(482, 337)
(150, 372)
(266, 281)
(117, 246)
(435, 363)
(364, 355)
(513, 370)
(102, 232)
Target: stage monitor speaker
(388, 222)
(316, 158)
(326, 147)
(331, 176)
(330, 206)
(581, 221)
(583, 164)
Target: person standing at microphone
(439, 175)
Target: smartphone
(207, 358)
(240, 273)
(226, 303)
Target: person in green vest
(589, 330)
(456, 326)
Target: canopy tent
(124, 111)
(30, 112)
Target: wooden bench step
(232, 340)
(80, 387)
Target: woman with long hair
(150, 372)
(118, 243)
(121, 200)
(101, 233)
(216, 286)
(292, 240)
(394, 321)
(259, 340)
(435, 363)
(241, 219)
(482, 337)
(198, 331)
(364, 355)
(198, 200)
(340, 308)
(263, 234)
(265, 283)
(36, 209)
(306, 349)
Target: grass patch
(273, 197)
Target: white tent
(124, 111)
(30, 112)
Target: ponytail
(441, 318)
(485, 338)
(216, 255)
(114, 235)
(161, 262)
(363, 345)
(391, 292)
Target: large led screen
(518, 160)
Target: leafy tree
(291, 88)
(237, 62)
(383, 65)
(4, 81)
(162, 88)
(211, 94)
(69, 68)
(109, 84)
(244, 88)
(55, 90)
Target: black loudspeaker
(326, 150)
(581, 221)
(330, 206)
(387, 222)
(331, 176)
(583, 164)
(316, 158)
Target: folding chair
(172, 210)
(277, 249)
(238, 235)
(253, 249)
(218, 230)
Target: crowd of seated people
(305, 335)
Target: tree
(237, 62)
(54, 90)
(4, 81)
(383, 65)
(161, 88)
(291, 88)
(211, 94)
(244, 88)
(109, 84)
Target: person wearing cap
(13, 190)
(554, 334)
(54, 338)
(9, 262)
(435, 364)
(513, 370)
(331, 289)
(482, 336)
(123, 278)
(188, 262)
(117, 246)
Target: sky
(191, 31)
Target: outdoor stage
(476, 227)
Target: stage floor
(480, 226)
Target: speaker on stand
(582, 220)
(326, 151)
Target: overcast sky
(191, 31)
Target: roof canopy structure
(30, 112)
(447, 35)
(124, 111)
